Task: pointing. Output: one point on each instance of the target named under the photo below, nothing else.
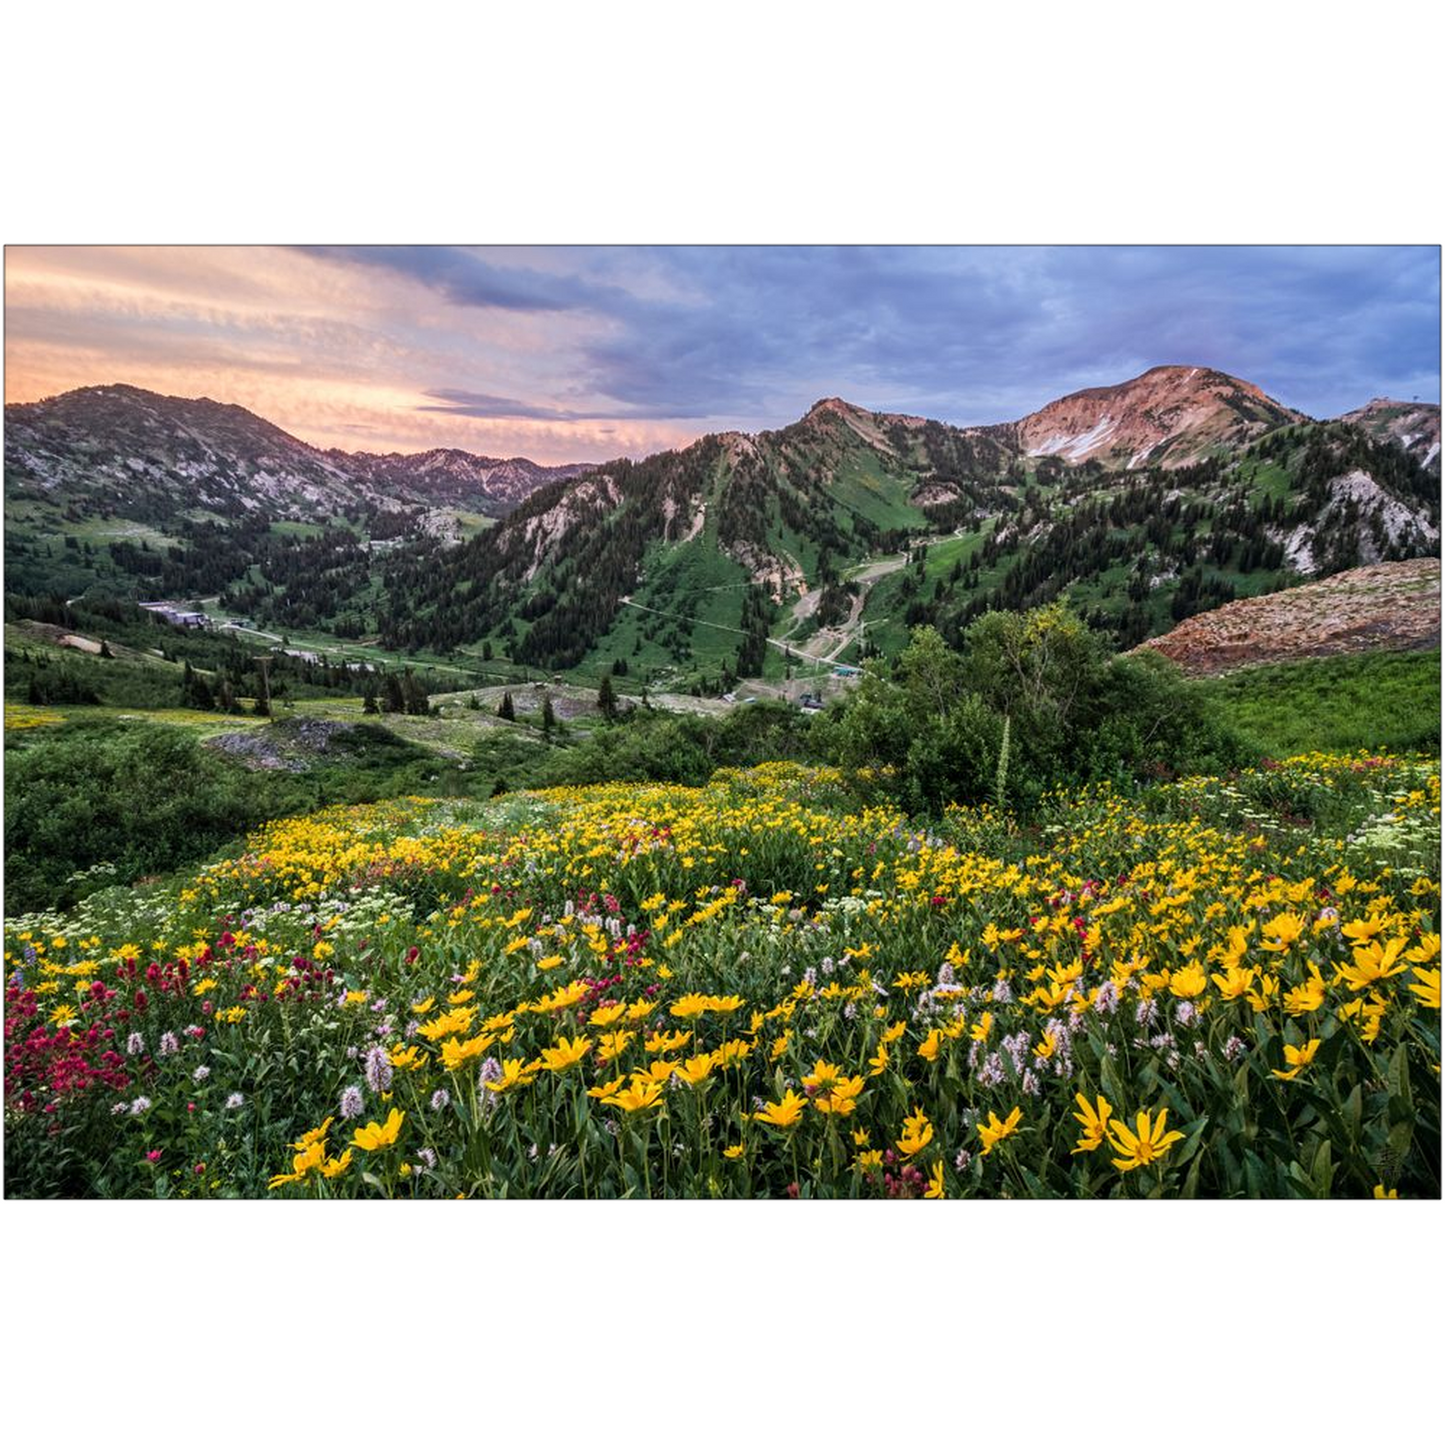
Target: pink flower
(154, 1155)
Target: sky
(586, 353)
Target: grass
(1382, 700)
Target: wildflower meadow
(773, 985)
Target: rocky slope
(1414, 427)
(1170, 416)
(1392, 607)
(137, 454)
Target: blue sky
(565, 353)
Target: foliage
(753, 989)
(1388, 700)
(936, 720)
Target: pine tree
(607, 698)
(549, 717)
(505, 710)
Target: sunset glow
(568, 354)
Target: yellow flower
(609, 1014)
(1095, 1121)
(565, 1053)
(516, 1073)
(551, 961)
(563, 998)
(823, 1073)
(980, 1031)
(1297, 1058)
(689, 1006)
(928, 1049)
(1428, 989)
(456, 1052)
(731, 1052)
(1235, 982)
(785, 1113)
(314, 1136)
(638, 1095)
(665, 1043)
(63, 1016)
(997, 1129)
(935, 1183)
(894, 1032)
(1188, 982)
(1146, 1144)
(1306, 997)
(1373, 964)
(1362, 930)
(1382, 1193)
(733, 1151)
(696, 1069)
(1426, 949)
(879, 1061)
(1281, 931)
(609, 1046)
(841, 1098)
(917, 1133)
(379, 1136)
(330, 1168)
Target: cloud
(479, 404)
(588, 351)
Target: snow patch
(1075, 448)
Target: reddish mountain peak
(1169, 415)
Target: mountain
(143, 455)
(1171, 416)
(1412, 426)
(445, 476)
(1392, 607)
(791, 551)
(116, 491)
(1143, 503)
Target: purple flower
(140, 1105)
(170, 1044)
(1233, 1048)
(135, 1045)
(440, 1100)
(353, 1105)
(235, 1101)
(201, 1074)
(1107, 998)
(378, 1070)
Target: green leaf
(1354, 1108)
(1323, 1170)
(1398, 1077)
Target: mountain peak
(1167, 416)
